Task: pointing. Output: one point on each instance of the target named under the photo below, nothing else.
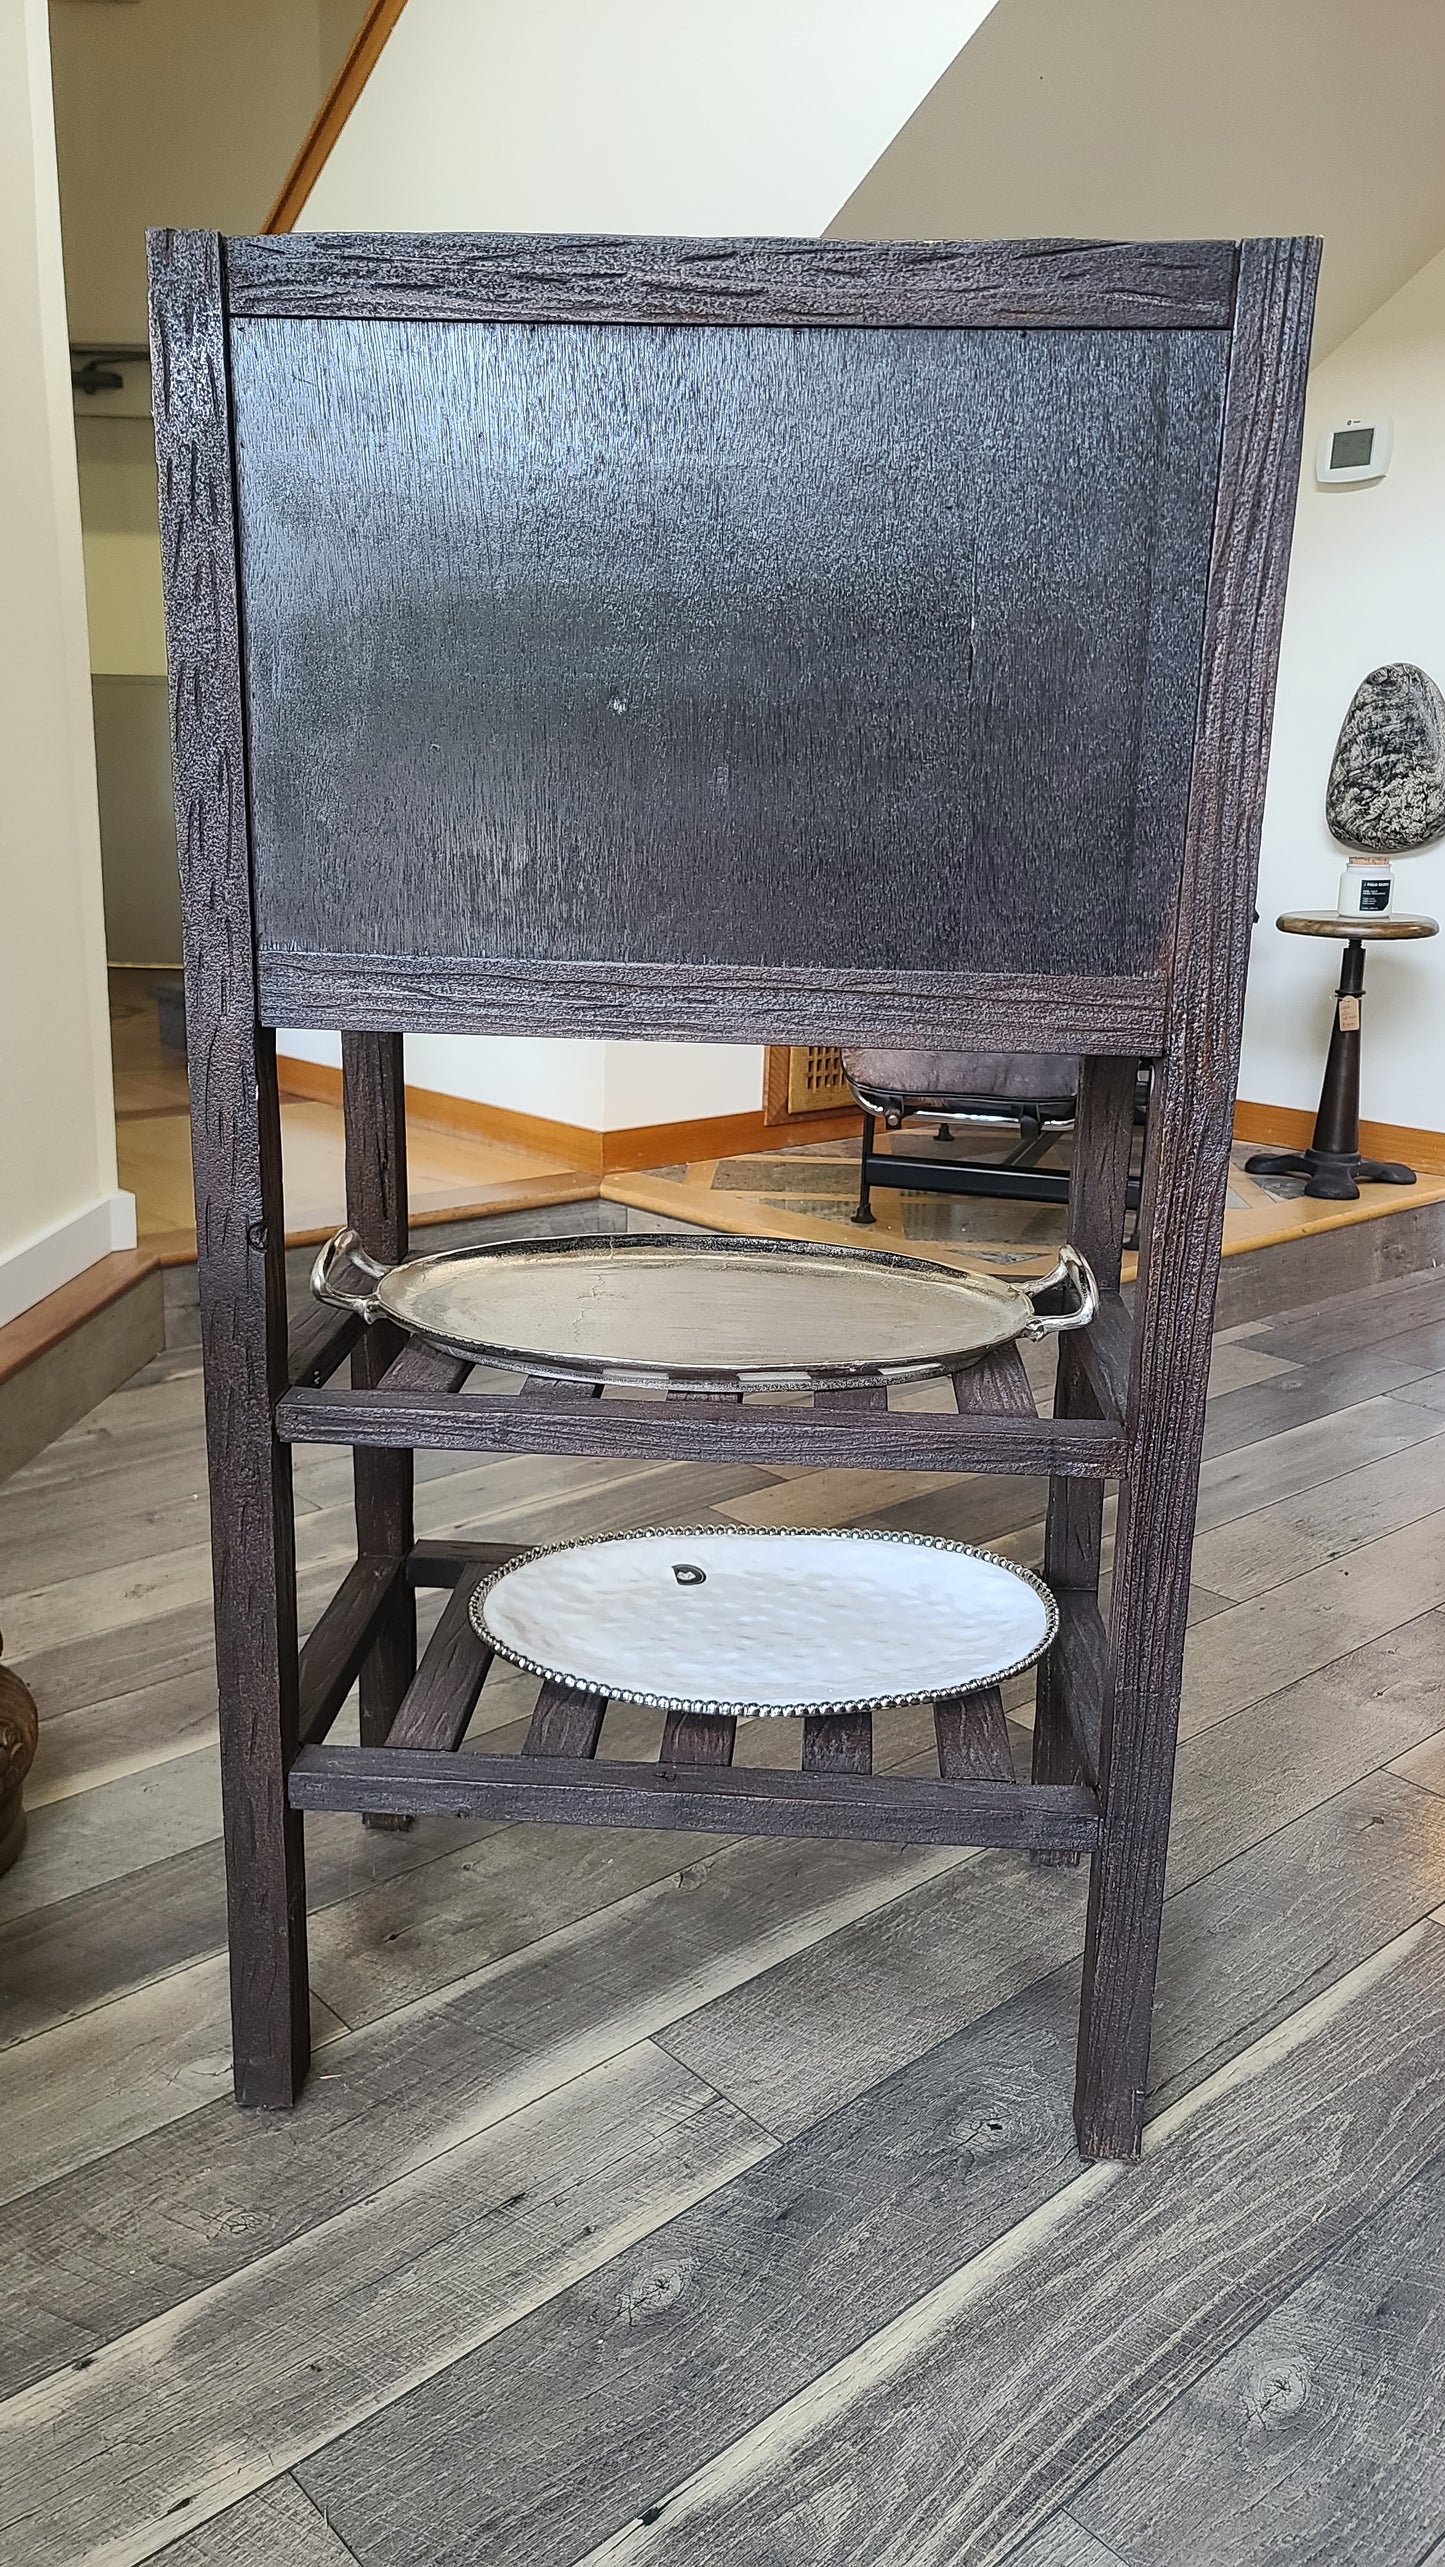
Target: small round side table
(1332, 1166)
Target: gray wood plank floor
(674, 2198)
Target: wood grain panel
(508, 276)
(592, 719)
(465, 994)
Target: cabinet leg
(1184, 1193)
(374, 1106)
(1073, 1536)
(1073, 1539)
(253, 1545)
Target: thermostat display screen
(1350, 447)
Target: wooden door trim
(367, 48)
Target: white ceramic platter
(762, 1622)
(776, 1314)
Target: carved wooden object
(19, 1737)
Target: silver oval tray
(775, 1314)
(762, 1622)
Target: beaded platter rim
(836, 1708)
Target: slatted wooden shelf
(419, 1402)
(977, 1800)
(882, 1808)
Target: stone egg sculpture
(1386, 793)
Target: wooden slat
(1080, 1658)
(539, 1389)
(1104, 1352)
(565, 1723)
(823, 1437)
(373, 1104)
(886, 1809)
(870, 1397)
(319, 1342)
(332, 1657)
(838, 1742)
(697, 1002)
(786, 284)
(442, 1695)
(442, 1563)
(697, 1738)
(996, 1386)
(973, 1739)
(1074, 1530)
(420, 1367)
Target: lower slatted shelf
(885, 1808)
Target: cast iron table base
(1332, 1166)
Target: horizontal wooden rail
(331, 1658)
(715, 1003)
(788, 284)
(886, 1809)
(826, 1437)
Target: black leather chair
(1033, 1092)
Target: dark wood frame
(1130, 1398)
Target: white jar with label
(1366, 887)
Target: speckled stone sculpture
(1386, 792)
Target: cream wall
(59, 1207)
(1367, 584)
(599, 1087)
(176, 111)
(1128, 120)
(640, 116)
(167, 111)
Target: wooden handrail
(335, 108)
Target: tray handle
(1074, 1270)
(346, 1250)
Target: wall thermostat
(1358, 451)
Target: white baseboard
(56, 1256)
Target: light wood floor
(674, 2200)
(811, 1192)
(449, 1173)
